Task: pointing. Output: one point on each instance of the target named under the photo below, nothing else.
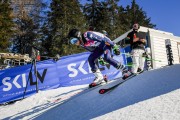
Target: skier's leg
(141, 59)
(108, 57)
(116, 64)
(94, 68)
(92, 59)
(135, 60)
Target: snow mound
(134, 95)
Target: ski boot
(98, 79)
(140, 71)
(126, 74)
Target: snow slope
(152, 95)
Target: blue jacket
(92, 40)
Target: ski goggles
(74, 40)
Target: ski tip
(102, 91)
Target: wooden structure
(13, 59)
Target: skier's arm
(135, 40)
(143, 41)
(95, 36)
(140, 41)
(141, 38)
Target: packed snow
(152, 95)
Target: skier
(137, 42)
(98, 44)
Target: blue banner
(14, 80)
(67, 71)
(76, 70)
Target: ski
(105, 90)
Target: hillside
(152, 95)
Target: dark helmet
(136, 26)
(74, 33)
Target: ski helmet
(74, 35)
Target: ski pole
(129, 55)
(153, 59)
(129, 65)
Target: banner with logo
(75, 70)
(68, 71)
(14, 81)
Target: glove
(101, 61)
(116, 50)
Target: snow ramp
(140, 89)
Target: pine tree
(28, 23)
(103, 20)
(39, 17)
(6, 25)
(114, 23)
(64, 15)
(94, 14)
(25, 36)
(137, 15)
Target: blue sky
(163, 13)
